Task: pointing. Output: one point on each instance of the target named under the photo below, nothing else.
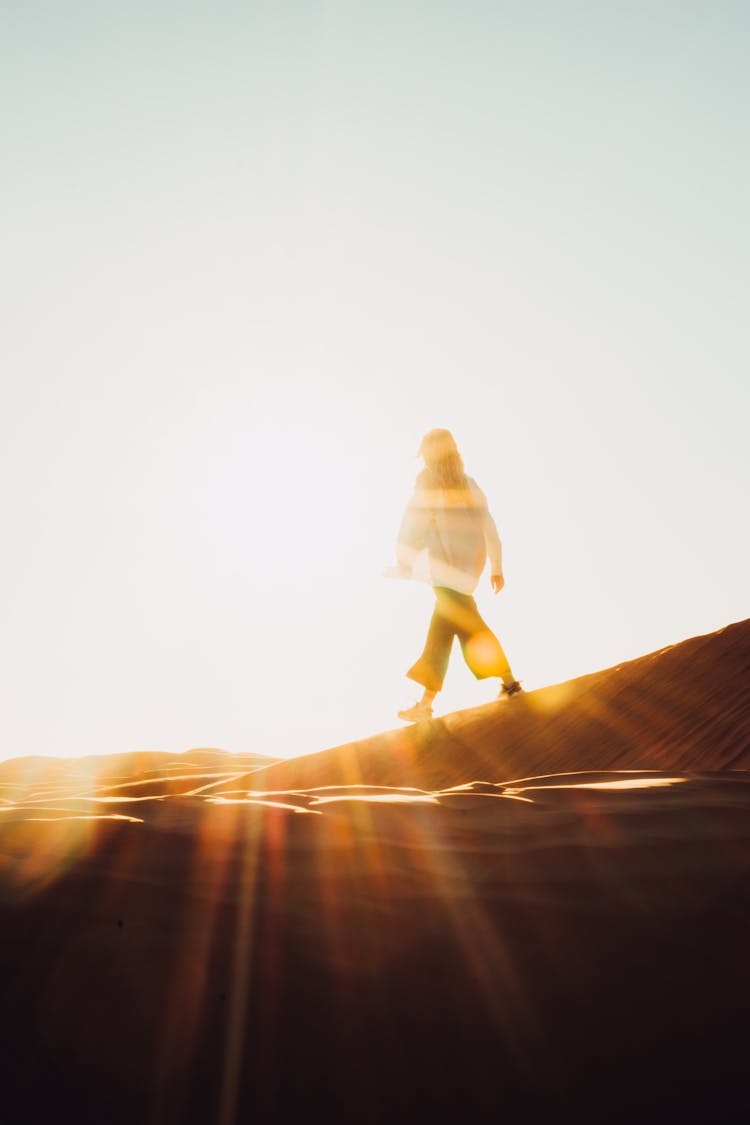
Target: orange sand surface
(534, 910)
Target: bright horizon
(254, 256)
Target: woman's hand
(498, 582)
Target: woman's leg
(430, 669)
(456, 615)
(481, 649)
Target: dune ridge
(536, 909)
(683, 707)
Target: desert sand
(534, 910)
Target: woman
(448, 527)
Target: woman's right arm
(494, 546)
(491, 541)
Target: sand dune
(534, 910)
(684, 707)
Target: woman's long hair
(444, 471)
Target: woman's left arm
(412, 535)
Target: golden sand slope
(399, 929)
(684, 707)
(222, 958)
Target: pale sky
(253, 251)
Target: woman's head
(438, 446)
(444, 467)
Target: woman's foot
(511, 688)
(416, 714)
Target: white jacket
(445, 537)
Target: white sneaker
(416, 714)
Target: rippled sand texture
(535, 910)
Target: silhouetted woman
(445, 537)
